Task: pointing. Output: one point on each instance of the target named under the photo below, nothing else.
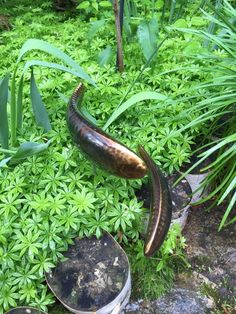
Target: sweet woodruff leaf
(56, 196)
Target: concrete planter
(197, 175)
(195, 181)
(25, 310)
(181, 199)
(181, 195)
(95, 278)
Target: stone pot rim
(25, 307)
(107, 308)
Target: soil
(5, 24)
(212, 254)
(209, 285)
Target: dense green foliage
(152, 277)
(16, 99)
(48, 200)
(217, 109)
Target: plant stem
(120, 63)
(7, 151)
(13, 110)
(121, 15)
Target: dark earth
(209, 286)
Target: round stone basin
(94, 278)
(25, 310)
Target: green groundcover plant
(16, 99)
(51, 198)
(156, 275)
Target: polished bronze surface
(160, 209)
(100, 147)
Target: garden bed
(47, 200)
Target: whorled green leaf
(105, 56)
(193, 47)
(181, 23)
(132, 101)
(197, 21)
(105, 4)
(147, 35)
(37, 44)
(39, 109)
(4, 131)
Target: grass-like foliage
(217, 109)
